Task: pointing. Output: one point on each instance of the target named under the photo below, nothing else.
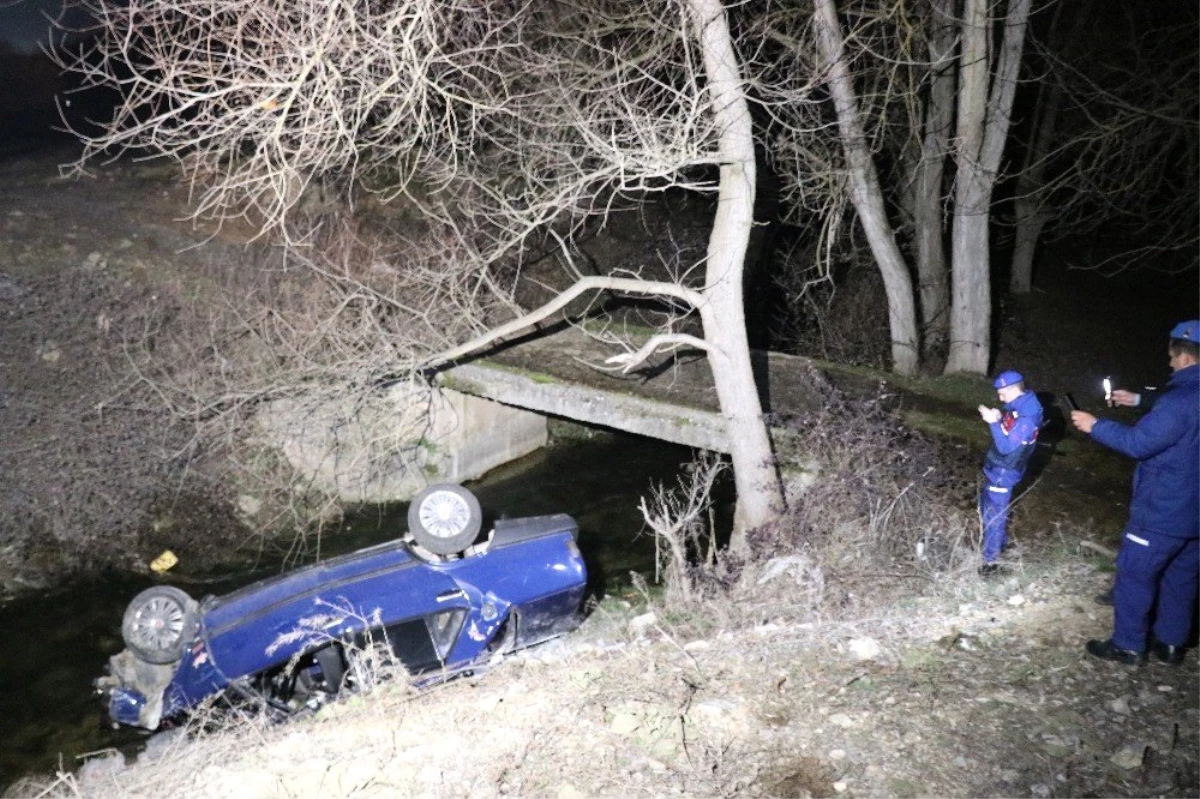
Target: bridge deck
(671, 398)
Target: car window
(422, 644)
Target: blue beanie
(1187, 331)
(1007, 379)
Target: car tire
(445, 518)
(159, 623)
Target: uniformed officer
(1158, 566)
(1014, 428)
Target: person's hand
(989, 415)
(1083, 420)
(1129, 399)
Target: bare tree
(1111, 151)
(522, 119)
(925, 161)
(866, 192)
(892, 93)
(987, 85)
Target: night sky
(25, 25)
(31, 82)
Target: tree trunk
(983, 122)
(760, 496)
(866, 194)
(933, 273)
(1030, 212)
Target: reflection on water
(57, 643)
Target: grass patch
(946, 425)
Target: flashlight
(1107, 390)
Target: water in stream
(56, 643)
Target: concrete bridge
(494, 409)
(671, 398)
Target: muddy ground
(94, 472)
(909, 684)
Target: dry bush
(872, 503)
(680, 519)
(882, 501)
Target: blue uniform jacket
(1014, 438)
(1165, 442)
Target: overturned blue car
(440, 601)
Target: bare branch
(594, 283)
(670, 341)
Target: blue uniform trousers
(1156, 575)
(993, 509)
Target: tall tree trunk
(866, 194)
(983, 122)
(933, 272)
(1029, 205)
(760, 495)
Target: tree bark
(933, 272)
(1029, 206)
(983, 122)
(760, 495)
(866, 194)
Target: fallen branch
(1097, 548)
(600, 283)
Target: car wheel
(158, 624)
(445, 518)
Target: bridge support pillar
(388, 449)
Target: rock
(1040, 790)
(723, 718)
(1130, 756)
(865, 649)
(568, 791)
(1148, 698)
(841, 720)
(1055, 747)
(840, 786)
(249, 505)
(778, 566)
(1016, 600)
(697, 646)
(49, 352)
(639, 624)
(1120, 705)
(624, 723)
